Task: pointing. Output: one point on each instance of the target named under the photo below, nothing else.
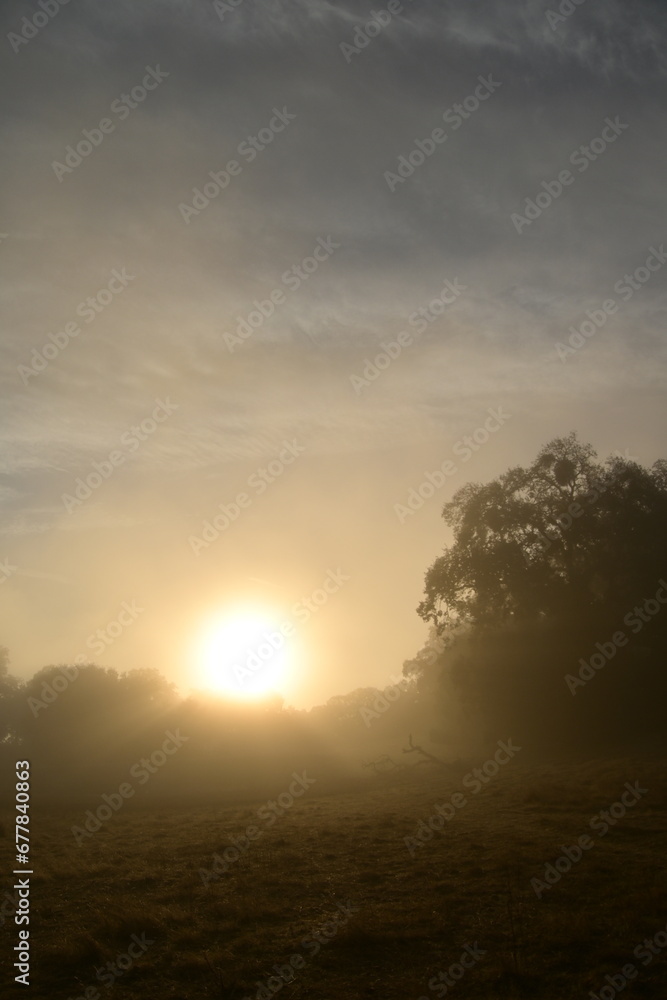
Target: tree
(9, 689)
(565, 536)
(548, 563)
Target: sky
(206, 348)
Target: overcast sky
(178, 274)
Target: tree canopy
(567, 535)
(548, 565)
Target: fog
(333, 558)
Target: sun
(245, 654)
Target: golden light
(246, 655)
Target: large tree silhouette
(547, 564)
(566, 536)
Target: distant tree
(342, 708)
(146, 687)
(9, 690)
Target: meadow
(350, 893)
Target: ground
(390, 916)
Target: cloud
(322, 176)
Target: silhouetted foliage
(547, 563)
(9, 687)
(566, 533)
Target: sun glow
(245, 655)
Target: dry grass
(470, 883)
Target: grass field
(335, 866)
